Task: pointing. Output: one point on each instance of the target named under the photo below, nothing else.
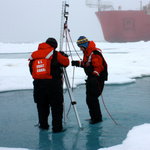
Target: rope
(106, 107)
(67, 45)
(73, 78)
(64, 111)
(74, 46)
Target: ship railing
(100, 5)
(146, 8)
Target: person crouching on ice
(95, 68)
(45, 67)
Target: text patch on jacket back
(41, 69)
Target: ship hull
(124, 26)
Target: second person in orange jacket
(95, 68)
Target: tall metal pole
(64, 19)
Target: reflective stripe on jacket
(93, 61)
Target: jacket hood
(43, 46)
(43, 50)
(91, 47)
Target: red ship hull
(125, 26)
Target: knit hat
(52, 42)
(83, 41)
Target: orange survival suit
(95, 68)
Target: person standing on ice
(95, 68)
(45, 67)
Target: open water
(129, 105)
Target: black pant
(49, 93)
(94, 88)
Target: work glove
(75, 63)
(64, 54)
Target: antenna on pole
(64, 19)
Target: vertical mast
(64, 19)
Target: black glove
(64, 54)
(75, 63)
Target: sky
(133, 62)
(36, 20)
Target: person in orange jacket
(46, 69)
(95, 68)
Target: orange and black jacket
(54, 58)
(94, 62)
